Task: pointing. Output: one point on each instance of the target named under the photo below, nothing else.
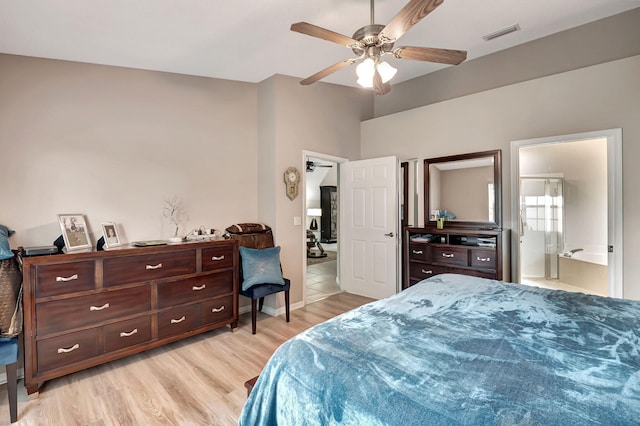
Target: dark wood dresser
(85, 309)
(432, 251)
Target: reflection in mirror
(465, 189)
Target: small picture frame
(74, 231)
(110, 234)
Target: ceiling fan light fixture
(387, 72)
(365, 71)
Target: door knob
(390, 234)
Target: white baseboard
(271, 311)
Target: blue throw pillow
(261, 266)
(5, 249)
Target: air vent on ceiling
(501, 32)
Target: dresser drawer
(67, 349)
(217, 258)
(177, 321)
(65, 314)
(53, 280)
(194, 289)
(130, 269)
(216, 310)
(483, 258)
(454, 256)
(421, 271)
(127, 333)
(420, 251)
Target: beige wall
(606, 40)
(114, 143)
(598, 97)
(321, 118)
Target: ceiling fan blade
(443, 56)
(379, 87)
(315, 31)
(325, 72)
(408, 16)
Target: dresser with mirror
(463, 220)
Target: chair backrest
(256, 240)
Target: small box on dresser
(85, 309)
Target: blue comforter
(460, 350)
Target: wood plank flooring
(198, 381)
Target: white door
(369, 212)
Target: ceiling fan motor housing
(368, 37)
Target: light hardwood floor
(198, 381)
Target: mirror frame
(497, 188)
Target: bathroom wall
(583, 165)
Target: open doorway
(566, 199)
(321, 190)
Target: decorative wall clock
(291, 180)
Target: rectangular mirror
(466, 189)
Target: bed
(455, 349)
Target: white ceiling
(250, 40)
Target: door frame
(614, 201)
(303, 231)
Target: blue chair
(258, 293)
(9, 358)
(259, 240)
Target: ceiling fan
(371, 42)
(311, 166)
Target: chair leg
(253, 316)
(261, 304)
(12, 388)
(286, 303)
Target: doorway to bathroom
(566, 204)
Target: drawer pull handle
(483, 259)
(427, 272)
(448, 255)
(179, 320)
(158, 266)
(216, 258)
(65, 279)
(220, 309)
(71, 349)
(417, 251)
(202, 287)
(131, 333)
(99, 308)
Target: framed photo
(74, 231)
(110, 234)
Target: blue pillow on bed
(5, 249)
(261, 266)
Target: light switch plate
(297, 220)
